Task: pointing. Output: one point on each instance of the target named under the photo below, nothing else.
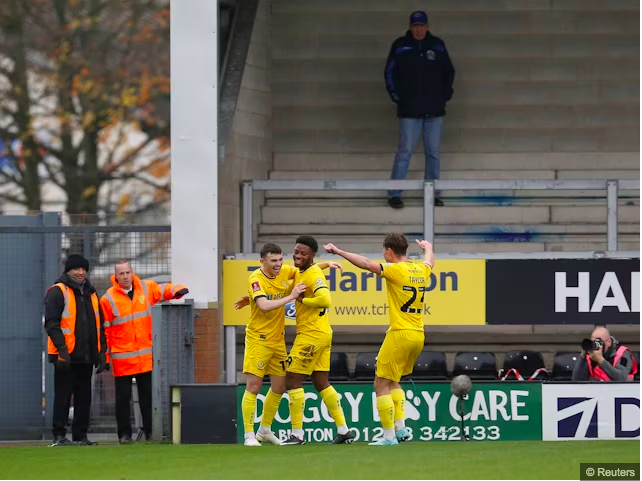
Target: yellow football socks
(386, 408)
(248, 406)
(297, 405)
(270, 407)
(333, 403)
(399, 399)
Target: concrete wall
(248, 152)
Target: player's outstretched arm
(330, 264)
(269, 305)
(355, 259)
(429, 255)
(242, 302)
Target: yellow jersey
(268, 327)
(406, 287)
(309, 319)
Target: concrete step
(525, 161)
(302, 214)
(347, 117)
(514, 140)
(445, 246)
(456, 230)
(408, 215)
(342, 7)
(286, 45)
(469, 70)
(456, 195)
(473, 96)
(442, 239)
(392, 24)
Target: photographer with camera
(604, 359)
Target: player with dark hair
(310, 354)
(270, 289)
(265, 352)
(405, 285)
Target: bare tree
(84, 88)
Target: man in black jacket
(419, 78)
(76, 344)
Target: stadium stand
(546, 91)
(430, 366)
(563, 365)
(339, 367)
(476, 365)
(365, 366)
(524, 364)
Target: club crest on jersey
(284, 283)
(260, 364)
(319, 282)
(256, 287)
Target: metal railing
(32, 251)
(429, 188)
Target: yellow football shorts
(265, 359)
(398, 353)
(309, 354)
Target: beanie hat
(74, 261)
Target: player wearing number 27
(405, 286)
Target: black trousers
(123, 399)
(74, 381)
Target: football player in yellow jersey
(310, 354)
(270, 289)
(405, 286)
(265, 352)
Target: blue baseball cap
(418, 17)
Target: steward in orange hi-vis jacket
(127, 311)
(76, 344)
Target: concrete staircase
(545, 89)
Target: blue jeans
(409, 132)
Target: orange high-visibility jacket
(128, 324)
(68, 319)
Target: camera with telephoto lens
(589, 345)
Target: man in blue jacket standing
(419, 78)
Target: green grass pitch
(435, 460)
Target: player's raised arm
(429, 255)
(331, 265)
(355, 259)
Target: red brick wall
(206, 346)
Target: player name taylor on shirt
(406, 288)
